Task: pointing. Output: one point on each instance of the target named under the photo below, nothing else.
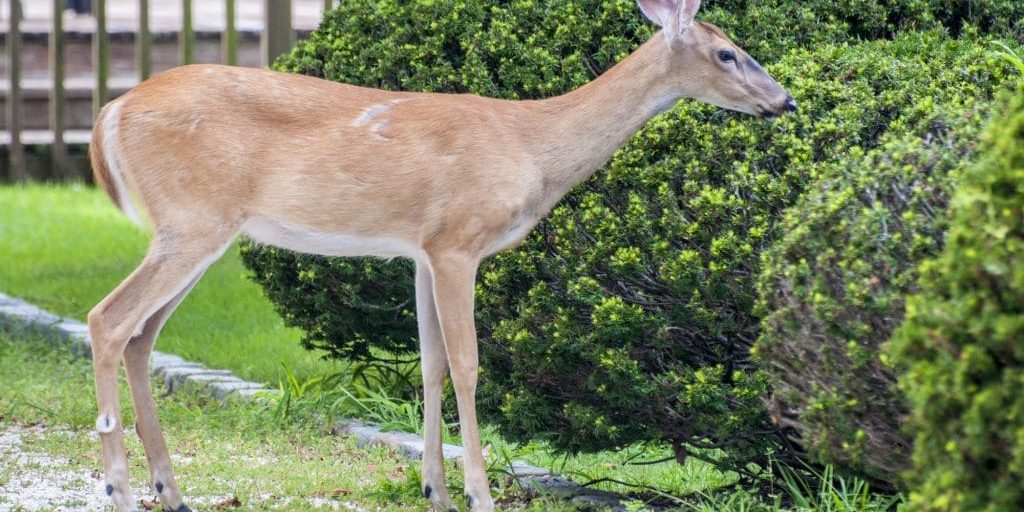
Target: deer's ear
(687, 12)
(675, 16)
(660, 12)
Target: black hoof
(183, 508)
(427, 492)
(453, 509)
(469, 501)
(110, 490)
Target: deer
(204, 153)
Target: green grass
(219, 450)
(64, 248)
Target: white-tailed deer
(209, 152)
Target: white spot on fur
(370, 113)
(372, 117)
(105, 424)
(378, 128)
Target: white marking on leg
(105, 424)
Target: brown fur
(210, 151)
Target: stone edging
(177, 373)
(174, 371)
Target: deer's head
(710, 66)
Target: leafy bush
(530, 48)
(627, 315)
(832, 290)
(345, 307)
(961, 342)
(771, 27)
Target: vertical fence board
(278, 35)
(58, 150)
(100, 56)
(15, 151)
(230, 42)
(144, 43)
(187, 40)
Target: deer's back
(299, 153)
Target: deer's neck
(579, 131)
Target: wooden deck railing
(15, 151)
(276, 38)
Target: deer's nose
(790, 104)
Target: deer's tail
(103, 156)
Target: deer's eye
(727, 56)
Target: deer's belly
(299, 239)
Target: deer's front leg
(454, 276)
(434, 361)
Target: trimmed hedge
(357, 309)
(771, 27)
(962, 345)
(628, 315)
(537, 48)
(832, 289)
(630, 311)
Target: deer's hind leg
(147, 424)
(174, 261)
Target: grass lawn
(66, 247)
(220, 451)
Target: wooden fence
(275, 39)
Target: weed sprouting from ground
(834, 493)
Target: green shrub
(771, 27)
(627, 316)
(357, 309)
(832, 290)
(962, 345)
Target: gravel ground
(31, 479)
